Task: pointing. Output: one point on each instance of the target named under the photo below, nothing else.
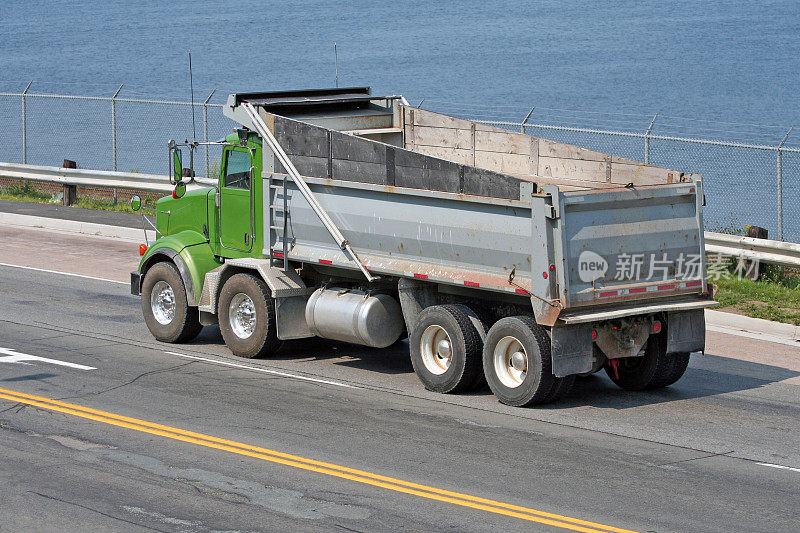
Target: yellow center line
(360, 476)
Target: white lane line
(264, 370)
(780, 466)
(12, 356)
(751, 335)
(63, 273)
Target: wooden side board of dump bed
(517, 154)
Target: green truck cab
(197, 230)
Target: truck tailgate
(629, 244)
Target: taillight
(656, 327)
(142, 249)
(594, 335)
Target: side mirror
(177, 165)
(136, 202)
(180, 190)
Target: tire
(680, 362)
(451, 326)
(655, 369)
(599, 363)
(252, 333)
(509, 383)
(482, 323)
(165, 307)
(561, 388)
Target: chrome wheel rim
(436, 349)
(162, 302)
(242, 315)
(510, 362)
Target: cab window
(237, 170)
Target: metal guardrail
(94, 178)
(764, 250)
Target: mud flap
(571, 349)
(686, 331)
(290, 318)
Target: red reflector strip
(669, 287)
(696, 283)
(421, 276)
(326, 261)
(637, 290)
(523, 291)
(608, 293)
(277, 254)
(472, 284)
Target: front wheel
(165, 306)
(247, 317)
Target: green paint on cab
(206, 226)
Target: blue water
(603, 64)
(720, 60)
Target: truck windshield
(237, 170)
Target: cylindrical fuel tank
(355, 316)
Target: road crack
(94, 511)
(697, 458)
(130, 382)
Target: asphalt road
(703, 455)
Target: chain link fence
(746, 183)
(106, 133)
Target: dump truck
(504, 259)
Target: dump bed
(622, 236)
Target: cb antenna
(336, 62)
(191, 88)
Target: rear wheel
(446, 349)
(165, 306)
(598, 364)
(655, 369)
(561, 388)
(679, 364)
(517, 364)
(247, 317)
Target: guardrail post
(647, 140)
(780, 184)
(25, 126)
(114, 134)
(70, 191)
(205, 128)
(522, 126)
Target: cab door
(236, 201)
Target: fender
(171, 248)
(199, 260)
